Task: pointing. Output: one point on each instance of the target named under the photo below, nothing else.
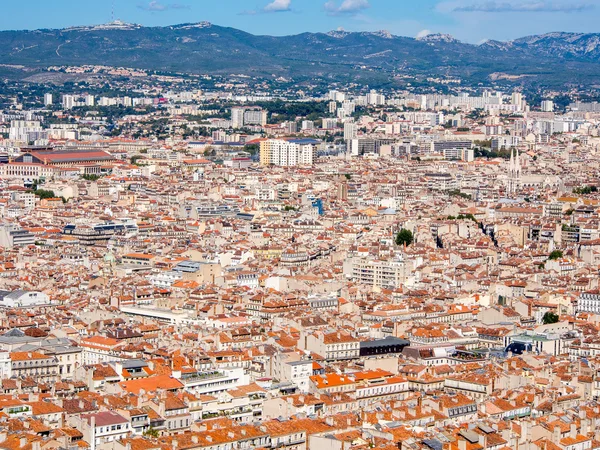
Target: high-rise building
(68, 101)
(47, 99)
(237, 117)
(242, 116)
(90, 100)
(255, 117)
(308, 125)
(295, 152)
(337, 96)
(26, 131)
(374, 98)
(516, 98)
(547, 106)
(332, 107)
(350, 131)
(291, 127)
(329, 124)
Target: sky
(468, 20)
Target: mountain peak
(189, 26)
(338, 34)
(114, 25)
(437, 37)
(499, 45)
(383, 34)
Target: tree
(404, 237)
(152, 432)
(43, 193)
(550, 317)
(134, 159)
(556, 254)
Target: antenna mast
(113, 11)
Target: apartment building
(294, 152)
(379, 273)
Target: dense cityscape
(219, 261)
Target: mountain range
(551, 59)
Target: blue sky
(468, 20)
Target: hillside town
(202, 269)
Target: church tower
(514, 172)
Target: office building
(15, 236)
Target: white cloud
(278, 6)
(423, 33)
(346, 7)
(153, 6)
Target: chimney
(573, 431)
(585, 427)
(462, 444)
(524, 430)
(556, 434)
(194, 439)
(329, 421)
(483, 440)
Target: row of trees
(583, 190)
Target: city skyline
(471, 21)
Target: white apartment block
(279, 152)
(380, 273)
